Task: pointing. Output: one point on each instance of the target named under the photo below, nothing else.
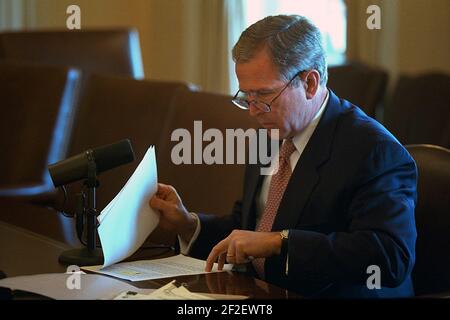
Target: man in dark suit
(339, 211)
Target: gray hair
(294, 43)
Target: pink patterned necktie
(276, 190)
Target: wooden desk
(32, 238)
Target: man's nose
(253, 110)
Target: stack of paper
(179, 265)
(127, 220)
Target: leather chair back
(204, 188)
(37, 104)
(419, 111)
(115, 108)
(362, 85)
(431, 273)
(114, 52)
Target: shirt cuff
(185, 247)
(287, 265)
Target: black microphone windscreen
(105, 157)
(113, 155)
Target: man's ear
(311, 83)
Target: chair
(204, 188)
(37, 105)
(114, 52)
(115, 108)
(431, 273)
(419, 111)
(362, 85)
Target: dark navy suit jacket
(349, 204)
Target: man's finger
(158, 204)
(163, 189)
(231, 252)
(221, 262)
(210, 261)
(241, 256)
(215, 252)
(212, 257)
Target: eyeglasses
(241, 101)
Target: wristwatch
(284, 234)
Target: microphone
(105, 157)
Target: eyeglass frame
(268, 105)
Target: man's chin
(276, 134)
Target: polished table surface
(33, 237)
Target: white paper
(179, 265)
(127, 220)
(168, 292)
(171, 292)
(56, 286)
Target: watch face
(284, 234)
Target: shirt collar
(301, 139)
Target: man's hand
(174, 216)
(241, 246)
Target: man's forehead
(259, 73)
(258, 82)
(257, 79)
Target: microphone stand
(91, 255)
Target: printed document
(179, 265)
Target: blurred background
(190, 40)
